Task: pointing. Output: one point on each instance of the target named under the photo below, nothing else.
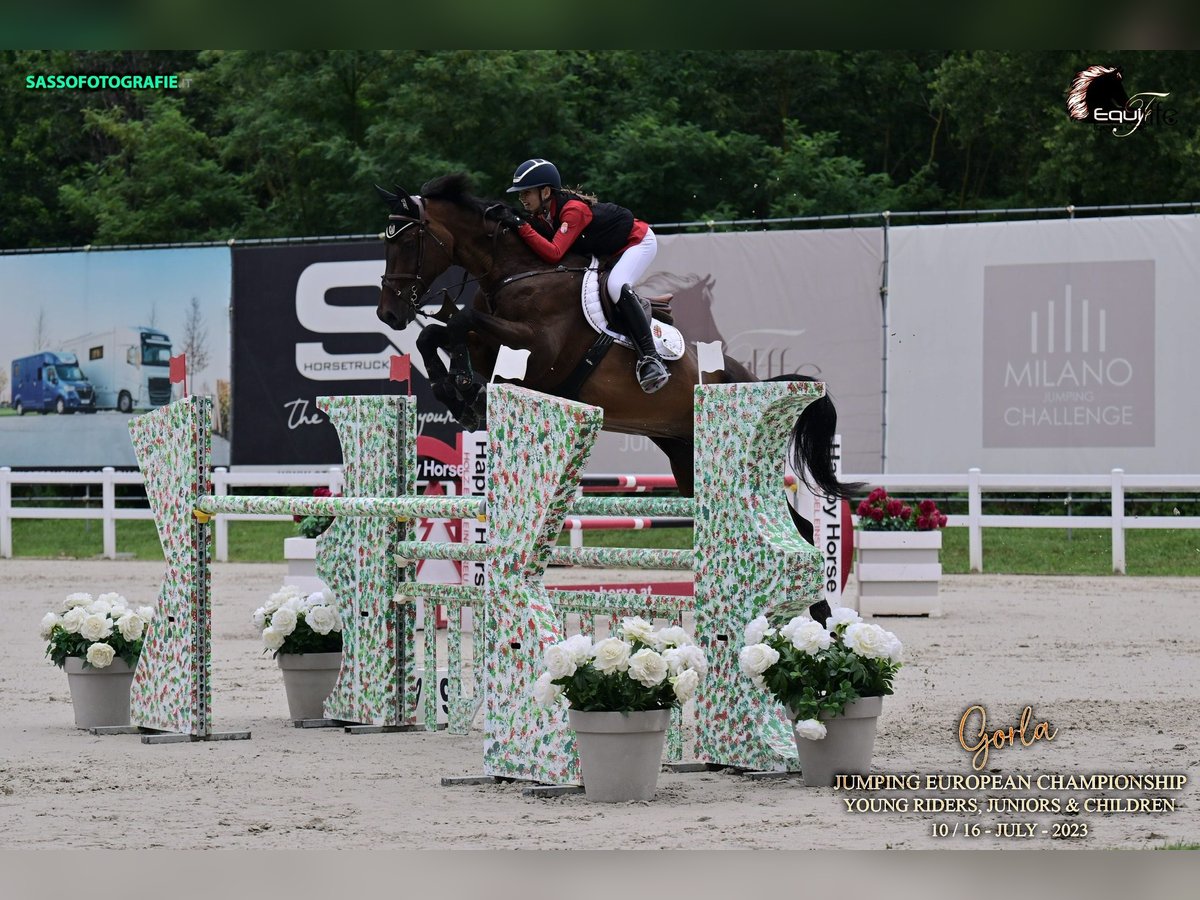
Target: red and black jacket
(595, 229)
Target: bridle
(412, 298)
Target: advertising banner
(1043, 347)
(304, 326)
(87, 343)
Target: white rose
(647, 668)
(757, 658)
(559, 661)
(545, 691)
(145, 613)
(259, 619)
(580, 647)
(869, 641)
(812, 729)
(843, 615)
(100, 607)
(73, 618)
(790, 628)
(295, 604)
(686, 657)
(337, 620)
(95, 627)
(611, 655)
(321, 619)
(671, 636)
(100, 656)
(48, 622)
(273, 638)
(895, 649)
(685, 685)
(114, 600)
(284, 620)
(79, 599)
(756, 630)
(811, 637)
(131, 626)
(636, 628)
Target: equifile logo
(1097, 95)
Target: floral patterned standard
(172, 685)
(749, 559)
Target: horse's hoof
(462, 382)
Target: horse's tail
(812, 446)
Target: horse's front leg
(431, 339)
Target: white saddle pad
(667, 338)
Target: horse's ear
(387, 195)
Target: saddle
(659, 306)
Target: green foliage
(812, 685)
(279, 143)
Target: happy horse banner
(304, 326)
(1051, 346)
(781, 302)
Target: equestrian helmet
(535, 173)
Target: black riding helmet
(535, 173)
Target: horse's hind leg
(681, 456)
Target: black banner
(304, 326)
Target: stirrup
(652, 374)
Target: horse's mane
(454, 188)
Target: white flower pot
(308, 679)
(847, 746)
(898, 572)
(99, 696)
(620, 754)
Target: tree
(195, 337)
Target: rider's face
(532, 198)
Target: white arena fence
(974, 483)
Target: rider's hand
(510, 218)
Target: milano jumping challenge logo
(1097, 95)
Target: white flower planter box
(301, 556)
(898, 572)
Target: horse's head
(415, 255)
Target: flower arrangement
(641, 669)
(879, 512)
(98, 631)
(293, 623)
(311, 526)
(816, 669)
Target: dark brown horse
(525, 303)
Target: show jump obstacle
(747, 559)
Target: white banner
(1044, 347)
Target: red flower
(322, 492)
(864, 508)
(905, 512)
(877, 514)
(941, 521)
(894, 506)
(926, 507)
(877, 494)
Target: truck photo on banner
(87, 343)
(304, 326)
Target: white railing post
(974, 521)
(1118, 521)
(576, 535)
(108, 506)
(5, 512)
(220, 525)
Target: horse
(523, 303)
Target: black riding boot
(651, 371)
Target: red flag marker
(401, 370)
(178, 371)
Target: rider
(565, 220)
